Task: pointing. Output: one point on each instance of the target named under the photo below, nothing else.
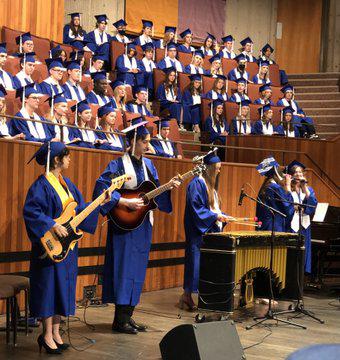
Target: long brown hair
(212, 181)
(3, 119)
(192, 89)
(223, 90)
(76, 31)
(167, 83)
(267, 182)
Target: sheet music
(320, 212)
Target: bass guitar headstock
(119, 181)
(198, 169)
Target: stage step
(326, 75)
(317, 96)
(323, 111)
(315, 82)
(306, 104)
(316, 89)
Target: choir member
(241, 124)
(186, 47)
(240, 71)
(219, 90)
(274, 192)
(97, 62)
(202, 215)
(25, 43)
(73, 31)
(72, 89)
(80, 55)
(58, 52)
(266, 94)
(216, 124)
(196, 66)
(145, 37)
(191, 101)
(169, 94)
(307, 125)
(24, 76)
(169, 36)
(247, 49)
(147, 67)
(240, 93)
(119, 95)
(266, 53)
(287, 126)
(262, 77)
(120, 36)
(99, 94)
(6, 79)
(170, 59)
(127, 251)
(208, 45)
(52, 85)
(139, 105)
(228, 51)
(264, 126)
(53, 284)
(216, 66)
(303, 194)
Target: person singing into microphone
(202, 215)
(274, 192)
(302, 194)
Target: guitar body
(127, 219)
(58, 248)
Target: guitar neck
(152, 194)
(116, 184)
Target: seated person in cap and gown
(240, 93)
(25, 44)
(6, 79)
(99, 38)
(127, 251)
(302, 194)
(266, 52)
(129, 68)
(208, 46)
(99, 94)
(240, 70)
(287, 126)
(27, 64)
(147, 66)
(4, 128)
(107, 119)
(202, 215)
(145, 37)
(186, 47)
(73, 31)
(216, 124)
(139, 105)
(266, 94)
(228, 51)
(247, 49)
(262, 77)
(169, 36)
(170, 59)
(216, 66)
(241, 124)
(52, 85)
(120, 36)
(219, 90)
(72, 89)
(97, 62)
(53, 284)
(274, 189)
(119, 95)
(191, 101)
(33, 131)
(196, 64)
(169, 95)
(58, 52)
(307, 125)
(162, 145)
(80, 55)
(264, 125)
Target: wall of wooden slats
(86, 165)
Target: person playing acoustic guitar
(53, 284)
(127, 251)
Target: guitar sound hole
(144, 198)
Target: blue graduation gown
(128, 77)
(92, 45)
(162, 65)
(243, 97)
(17, 83)
(108, 146)
(281, 131)
(198, 220)
(141, 109)
(258, 128)
(191, 112)
(234, 130)
(156, 144)
(127, 252)
(17, 126)
(212, 96)
(92, 98)
(232, 75)
(259, 102)
(10, 81)
(184, 49)
(46, 88)
(67, 93)
(66, 38)
(76, 133)
(306, 232)
(275, 191)
(52, 285)
(216, 135)
(188, 69)
(174, 108)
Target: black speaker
(212, 340)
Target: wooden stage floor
(158, 310)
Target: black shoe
(42, 343)
(63, 346)
(139, 327)
(124, 328)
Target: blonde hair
(121, 100)
(211, 179)
(216, 72)
(3, 119)
(49, 116)
(166, 38)
(102, 120)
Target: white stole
(170, 95)
(251, 58)
(193, 69)
(72, 36)
(143, 39)
(196, 99)
(98, 38)
(238, 75)
(261, 81)
(238, 97)
(240, 124)
(100, 100)
(214, 126)
(66, 138)
(290, 133)
(122, 38)
(88, 135)
(128, 64)
(3, 129)
(73, 93)
(269, 130)
(7, 81)
(214, 95)
(22, 77)
(148, 64)
(51, 81)
(305, 219)
(166, 145)
(207, 52)
(36, 129)
(136, 110)
(293, 104)
(231, 55)
(168, 64)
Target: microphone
(242, 195)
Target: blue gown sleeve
(17, 126)
(161, 65)
(258, 128)
(160, 95)
(120, 65)
(66, 38)
(277, 192)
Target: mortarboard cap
(119, 23)
(266, 47)
(199, 53)
(55, 63)
(99, 56)
(131, 46)
(105, 109)
(116, 83)
(289, 167)
(138, 126)
(54, 52)
(28, 90)
(99, 75)
(147, 23)
(195, 77)
(211, 159)
(148, 46)
(227, 38)
(265, 87)
(240, 57)
(101, 18)
(81, 106)
(169, 70)
(73, 64)
(169, 29)
(56, 148)
(140, 88)
(56, 99)
(216, 103)
(286, 88)
(264, 108)
(267, 166)
(220, 76)
(23, 37)
(245, 102)
(171, 45)
(27, 57)
(241, 81)
(287, 109)
(264, 63)
(245, 41)
(76, 55)
(74, 15)
(184, 33)
(210, 36)
(215, 58)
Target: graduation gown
(115, 143)
(93, 98)
(198, 220)
(147, 67)
(235, 74)
(68, 36)
(191, 108)
(167, 63)
(192, 69)
(6, 80)
(164, 148)
(208, 52)
(4, 130)
(127, 252)
(123, 65)
(215, 131)
(258, 80)
(138, 108)
(21, 79)
(73, 92)
(293, 223)
(95, 41)
(174, 107)
(224, 53)
(275, 191)
(183, 48)
(214, 95)
(87, 137)
(52, 285)
(260, 101)
(49, 88)
(264, 129)
(294, 133)
(245, 128)
(236, 97)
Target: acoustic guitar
(127, 219)
(57, 248)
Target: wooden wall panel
(43, 18)
(86, 165)
(299, 49)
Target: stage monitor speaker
(216, 340)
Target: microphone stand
(270, 315)
(299, 307)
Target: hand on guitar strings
(60, 230)
(132, 204)
(176, 181)
(107, 197)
